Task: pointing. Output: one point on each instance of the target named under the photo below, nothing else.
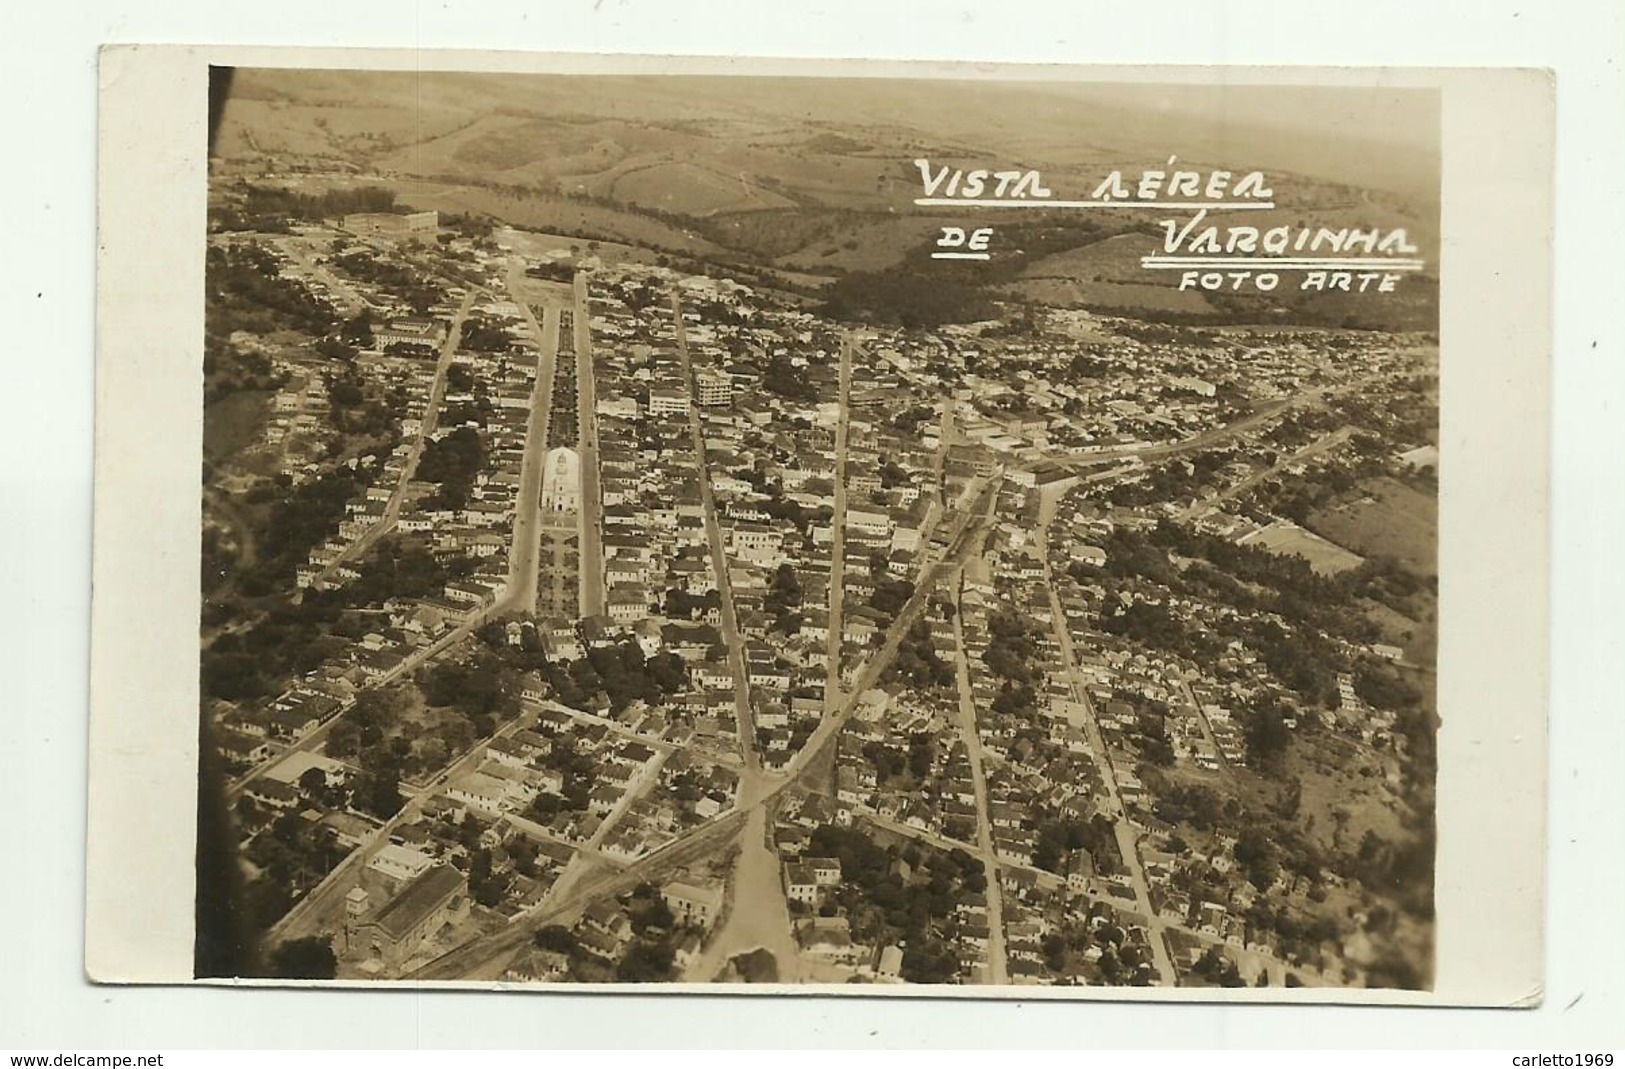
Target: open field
(233, 422)
(537, 211)
(1284, 537)
(862, 242)
(1391, 520)
(1346, 794)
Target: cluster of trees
(1017, 700)
(1303, 659)
(647, 961)
(577, 770)
(785, 510)
(1120, 962)
(1150, 736)
(291, 856)
(304, 518)
(649, 912)
(888, 761)
(467, 224)
(1386, 580)
(909, 421)
(906, 298)
(268, 209)
(356, 411)
(622, 674)
(1256, 853)
(1216, 968)
(1299, 933)
(245, 292)
(309, 958)
(650, 958)
(1060, 840)
(1316, 609)
(481, 687)
(1191, 805)
(453, 460)
(783, 599)
(288, 638)
(400, 568)
(917, 661)
(782, 377)
(893, 474)
(485, 336)
(353, 333)
(378, 789)
(557, 938)
(1010, 648)
(399, 280)
(890, 596)
(1151, 624)
(681, 605)
(1170, 481)
(486, 885)
(227, 371)
(886, 906)
(1299, 593)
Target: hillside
(816, 176)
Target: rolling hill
(816, 175)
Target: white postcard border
(1495, 351)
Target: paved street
(527, 523)
(591, 564)
(1211, 502)
(431, 419)
(984, 828)
(1212, 437)
(1127, 841)
(731, 637)
(759, 915)
(837, 553)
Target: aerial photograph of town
(818, 531)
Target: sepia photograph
(818, 531)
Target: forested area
(269, 209)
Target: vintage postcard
(838, 527)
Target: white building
(561, 481)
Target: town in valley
(628, 557)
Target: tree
(358, 329)
(379, 792)
(313, 781)
(1384, 689)
(343, 738)
(784, 591)
(646, 962)
(1257, 854)
(310, 958)
(1054, 952)
(557, 938)
(1266, 735)
(656, 915)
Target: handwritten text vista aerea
(1150, 186)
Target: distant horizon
(1327, 133)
